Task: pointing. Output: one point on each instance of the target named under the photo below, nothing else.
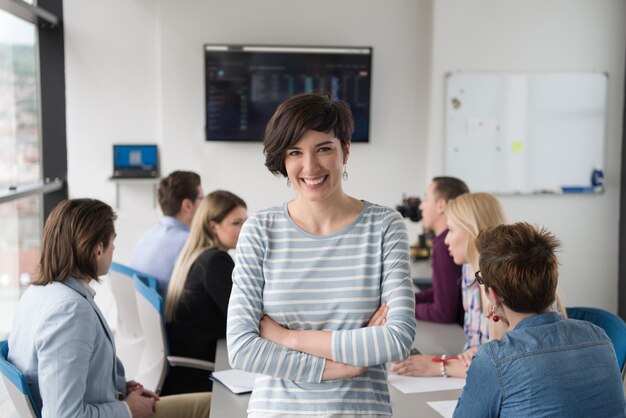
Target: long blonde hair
(473, 212)
(214, 208)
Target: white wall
(380, 171)
(112, 94)
(135, 74)
(546, 35)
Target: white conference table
(421, 272)
(430, 338)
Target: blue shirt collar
(539, 319)
(172, 222)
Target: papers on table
(237, 381)
(410, 384)
(444, 408)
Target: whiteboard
(525, 132)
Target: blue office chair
(150, 281)
(154, 356)
(612, 324)
(16, 386)
(115, 296)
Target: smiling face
(456, 240)
(227, 231)
(315, 165)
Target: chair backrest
(612, 324)
(105, 298)
(129, 338)
(16, 386)
(153, 364)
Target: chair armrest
(191, 362)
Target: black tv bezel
(312, 47)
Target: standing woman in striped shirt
(322, 296)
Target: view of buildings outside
(20, 220)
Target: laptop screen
(139, 158)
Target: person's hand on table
(417, 365)
(425, 365)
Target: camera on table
(410, 208)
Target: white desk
(430, 338)
(421, 272)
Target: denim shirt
(545, 367)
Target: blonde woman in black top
(197, 297)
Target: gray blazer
(62, 344)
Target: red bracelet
(444, 359)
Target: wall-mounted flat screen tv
(246, 83)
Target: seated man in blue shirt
(155, 254)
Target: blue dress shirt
(63, 346)
(545, 367)
(158, 249)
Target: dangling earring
(494, 316)
(345, 173)
(288, 182)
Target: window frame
(51, 70)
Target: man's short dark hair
(519, 262)
(448, 188)
(175, 188)
(301, 113)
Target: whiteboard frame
(506, 132)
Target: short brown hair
(519, 262)
(175, 188)
(301, 113)
(448, 188)
(72, 233)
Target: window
(31, 92)
(19, 160)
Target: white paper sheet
(410, 384)
(237, 381)
(444, 408)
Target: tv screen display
(246, 83)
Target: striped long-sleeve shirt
(331, 282)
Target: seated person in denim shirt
(544, 366)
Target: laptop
(135, 161)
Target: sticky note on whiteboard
(517, 146)
(481, 127)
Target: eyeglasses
(479, 278)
